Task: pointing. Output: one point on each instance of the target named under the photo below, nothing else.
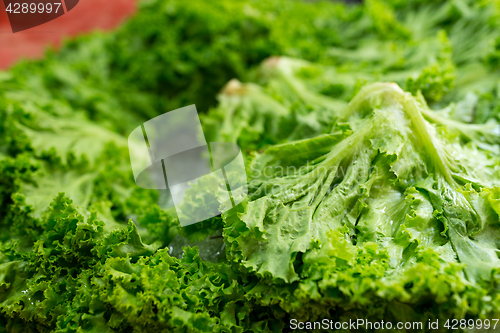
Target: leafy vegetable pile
(365, 201)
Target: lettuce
(392, 211)
(444, 49)
(366, 200)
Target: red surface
(87, 16)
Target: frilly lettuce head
(393, 215)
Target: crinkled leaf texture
(375, 219)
